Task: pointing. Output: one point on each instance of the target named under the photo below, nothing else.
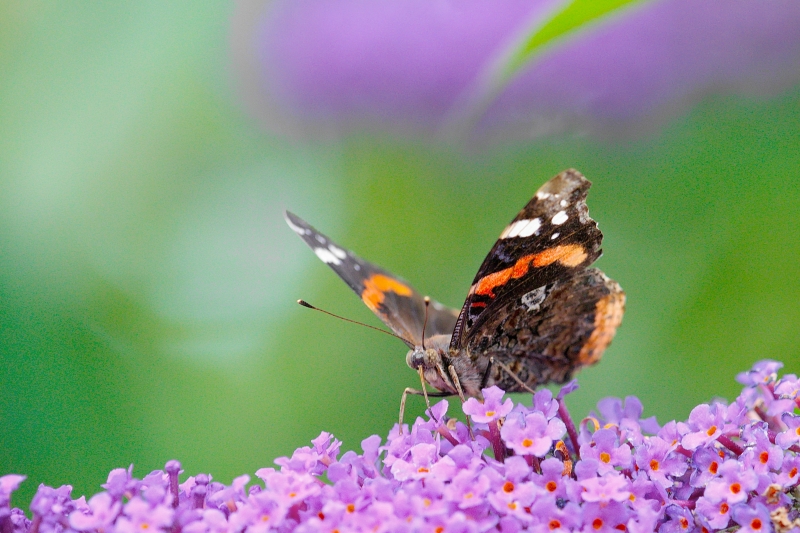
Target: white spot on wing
(521, 228)
(320, 238)
(516, 228)
(554, 236)
(327, 256)
(533, 300)
(297, 229)
(564, 203)
(338, 252)
(543, 195)
(356, 266)
(559, 218)
(530, 228)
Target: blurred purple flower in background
(492, 70)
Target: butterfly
(535, 312)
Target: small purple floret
(491, 409)
(532, 434)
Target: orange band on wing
(376, 287)
(607, 318)
(570, 255)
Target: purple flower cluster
(731, 465)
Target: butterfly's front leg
(423, 392)
(457, 382)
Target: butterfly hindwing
(546, 334)
(551, 238)
(393, 300)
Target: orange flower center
(654, 465)
(605, 457)
(723, 508)
(736, 488)
(763, 457)
(711, 430)
(527, 443)
(508, 487)
(551, 486)
(713, 467)
(597, 523)
(489, 413)
(554, 524)
(351, 508)
(755, 523)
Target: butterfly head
(431, 360)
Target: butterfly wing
(546, 334)
(393, 300)
(551, 238)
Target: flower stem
(688, 504)
(497, 443)
(732, 446)
(573, 434)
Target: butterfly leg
(487, 373)
(454, 376)
(493, 361)
(421, 371)
(416, 392)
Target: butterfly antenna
(425, 321)
(306, 304)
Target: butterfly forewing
(393, 300)
(552, 237)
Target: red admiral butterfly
(535, 312)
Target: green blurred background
(148, 281)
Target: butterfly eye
(415, 358)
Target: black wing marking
(393, 300)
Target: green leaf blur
(577, 15)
